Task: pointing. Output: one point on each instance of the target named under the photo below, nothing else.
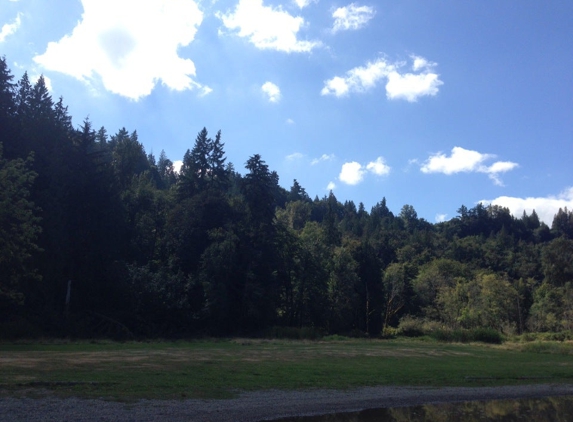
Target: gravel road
(257, 406)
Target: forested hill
(208, 251)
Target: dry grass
(216, 368)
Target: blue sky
(435, 104)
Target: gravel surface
(258, 406)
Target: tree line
(98, 237)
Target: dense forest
(99, 238)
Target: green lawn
(219, 368)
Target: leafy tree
(19, 229)
(434, 277)
(342, 294)
(397, 291)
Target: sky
(434, 104)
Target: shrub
(483, 335)
(486, 335)
(410, 326)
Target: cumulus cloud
(323, 157)
(267, 27)
(290, 121)
(411, 86)
(351, 17)
(352, 173)
(9, 28)
(331, 186)
(467, 161)
(378, 167)
(272, 92)
(130, 45)
(406, 86)
(545, 207)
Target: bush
(415, 327)
(411, 327)
(483, 335)
(558, 336)
(487, 335)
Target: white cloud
(408, 86)
(467, 161)
(351, 17)
(461, 160)
(303, 3)
(10, 28)
(267, 27)
(272, 92)
(204, 90)
(177, 166)
(130, 45)
(545, 207)
(290, 121)
(331, 186)
(440, 218)
(323, 157)
(358, 79)
(378, 167)
(353, 173)
(420, 63)
(295, 156)
(411, 86)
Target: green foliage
(482, 335)
(19, 229)
(208, 250)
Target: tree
(7, 105)
(218, 173)
(434, 277)
(203, 166)
(397, 291)
(19, 229)
(258, 187)
(563, 223)
(409, 216)
(342, 295)
(128, 156)
(166, 170)
(557, 261)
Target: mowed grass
(221, 368)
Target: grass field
(220, 368)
